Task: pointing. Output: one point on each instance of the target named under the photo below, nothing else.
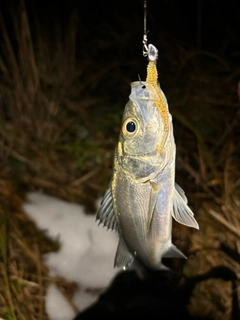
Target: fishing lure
(152, 78)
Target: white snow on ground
(86, 254)
(56, 305)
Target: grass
(23, 274)
(59, 121)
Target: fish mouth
(146, 91)
(149, 91)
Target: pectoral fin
(123, 257)
(181, 211)
(174, 252)
(105, 213)
(181, 192)
(152, 201)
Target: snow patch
(86, 253)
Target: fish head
(142, 132)
(142, 125)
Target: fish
(143, 197)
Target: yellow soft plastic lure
(152, 78)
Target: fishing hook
(150, 50)
(140, 80)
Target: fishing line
(145, 32)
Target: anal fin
(123, 258)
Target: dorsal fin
(105, 213)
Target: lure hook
(149, 51)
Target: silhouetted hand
(158, 294)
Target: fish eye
(130, 127)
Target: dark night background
(110, 34)
(65, 74)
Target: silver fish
(142, 196)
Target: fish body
(142, 196)
(142, 173)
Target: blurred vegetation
(62, 99)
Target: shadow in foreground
(160, 293)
